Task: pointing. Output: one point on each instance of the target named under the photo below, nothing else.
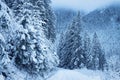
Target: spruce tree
(6, 33)
(87, 48)
(71, 52)
(50, 22)
(102, 61)
(97, 54)
(31, 48)
(41, 9)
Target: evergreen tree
(60, 45)
(97, 54)
(113, 71)
(102, 61)
(30, 46)
(87, 48)
(6, 33)
(41, 9)
(71, 51)
(49, 18)
(4, 58)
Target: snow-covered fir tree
(97, 55)
(26, 42)
(49, 19)
(33, 50)
(6, 27)
(86, 48)
(113, 72)
(71, 51)
(40, 7)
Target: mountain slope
(106, 22)
(103, 18)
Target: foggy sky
(86, 5)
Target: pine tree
(41, 9)
(6, 32)
(60, 45)
(97, 54)
(31, 48)
(6, 24)
(87, 48)
(102, 61)
(113, 71)
(50, 22)
(71, 51)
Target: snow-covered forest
(42, 42)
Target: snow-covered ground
(83, 74)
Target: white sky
(86, 5)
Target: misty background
(101, 16)
(84, 5)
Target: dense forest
(37, 42)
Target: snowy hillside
(103, 17)
(105, 21)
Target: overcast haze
(86, 5)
